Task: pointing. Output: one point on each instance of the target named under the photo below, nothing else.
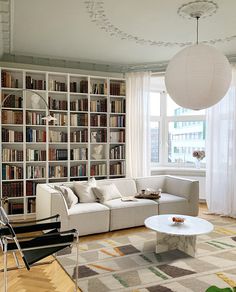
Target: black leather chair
(34, 248)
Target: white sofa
(179, 196)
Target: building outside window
(175, 131)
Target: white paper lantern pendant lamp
(198, 76)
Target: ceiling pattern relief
(97, 13)
(5, 25)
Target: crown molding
(5, 24)
(91, 66)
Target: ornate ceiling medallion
(97, 14)
(201, 8)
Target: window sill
(179, 171)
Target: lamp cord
(197, 17)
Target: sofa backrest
(126, 186)
(152, 182)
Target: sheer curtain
(138, 148)
(221, 155)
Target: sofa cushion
(107, 192)
(126, 186)
(84, 190)
(130, 214)
(89, 218)
(87, 208)
(171, 204)
(70, 198)
(152, 182)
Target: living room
(126, 129)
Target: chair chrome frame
(9, 233)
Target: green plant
(216, 289)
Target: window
(175, 131)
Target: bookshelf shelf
(90, 112)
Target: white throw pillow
(68, 194)
(84, 190)
(107, 192)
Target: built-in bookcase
(87, 139)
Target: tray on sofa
(149, 195)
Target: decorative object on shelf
(47, 118)
(198, 155)
(198, 76)
(97, 152)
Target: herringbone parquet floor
(51, 277)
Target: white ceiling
(67, 29)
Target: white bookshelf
(90, 112)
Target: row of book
(57, 154)
(98, 88)
(79, 105)
(99, 105)
(117, 121)
(117, 136)
(117, 88)
(12, 117)
(118, 106)
(117, 152)
(33, 118)
(98, 120)
(57, 104)
(12, 189)
(31, 205)
(54, 85)
(11, 135)
(14, 207)
(36, 155)
(12, 155)
(33, 171)
(79, 153)
(78, 170)
(56, 136)
(57, 171)
(12, 100)
(99, 136)
(8, 80)
(31, 188)
(98, 169)
(12, 172)
(61, 119)
(79, 120)
(117, 168)
(79, 136)
(33, 135)
(37, 84)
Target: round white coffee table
(180, 236)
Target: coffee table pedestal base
(166, 242)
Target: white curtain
(221, 155)
(138, 148)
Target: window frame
(164, 121)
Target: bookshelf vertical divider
(60, 151)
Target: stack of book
(56, 136)
(55, 85)
(98, 120)
(79, 136)
(99, 105)
(117, 152)
(35, 171)
(12, 155)
(12, 117)
(58, 154)
(8, 80)
(12, 172)
(11, 136)
(78, 170)
(33, 135)
(79, 153)
(35, 84)
(79, 105)
(98, 169)
(12, 101)
(12, 189)
(56, 104)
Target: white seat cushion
(171, 204)
(130, 214)
(87, 208)
(89, 218)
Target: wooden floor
(51, 277)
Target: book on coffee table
(128, 199)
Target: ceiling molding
(97, 13)
(114, 68)
(5, 24)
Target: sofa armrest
(186, 188)
(50, 202)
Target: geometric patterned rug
(129, 263)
